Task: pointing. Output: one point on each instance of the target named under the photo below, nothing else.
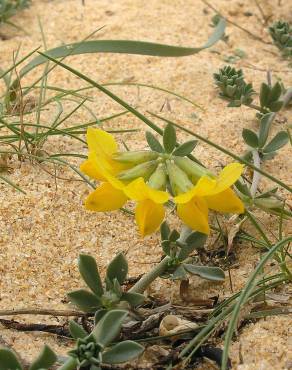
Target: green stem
(70, 364)
(148, 278)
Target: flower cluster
(152, 178)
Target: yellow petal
(226, 201)
(88, 167)
(185, 197)
(195, 215)
(105, 198)
(149, 216)
(101, 142)
(138, 190)
(228, 176)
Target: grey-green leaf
(85, 300)
(118, 269)
(76, 330)
(195, 240)
(122, 352)
(169, 138)
(134, 299)
(281, 139)
(264, 94)
(46, 359)
(276, 92)
(164, 231)
(265, 125)
(108, 328)
(89, 272)
(153, 143)
(8, 360)
(250, 138)
(185, 148)
(206, 272)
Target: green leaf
(185, 148)
(164, 231)
(206, 272)
(264, 94)
(46, 359)
(134, 299)
(85, 300)
(153, 143)
(109, 326)
(88, 270)
(122, 46)
(118, 268)
(265, 125)
(243, 188)
(195, 240)
(76, 330)
(281, 139)
(179, 273)
(250, 138)
(276, 92)
(8, 360)
(122, 352)
(169, 138)
(275, 106)
(165, 244)
(174, 235)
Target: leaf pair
(269, 97)
(107, 295)
(170, 145)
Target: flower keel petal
(149, 216)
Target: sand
(43, 232)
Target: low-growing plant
(281, 33)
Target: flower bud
(144, 170)
(191, 168)
(179, 181)
(158, 179)
(135, 157)
(268, 203)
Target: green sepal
(89, 272)
(169, 138)
(118, 268)
(45, 360)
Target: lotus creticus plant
(152, 177)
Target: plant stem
(256, 175)
(41, 311)
(148, 278)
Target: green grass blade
(9, 182)
(243, 297)
(124, 46)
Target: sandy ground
(42, 232)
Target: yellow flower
(112, 194)
(216, 194)
(102, 145)
(149, 212)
